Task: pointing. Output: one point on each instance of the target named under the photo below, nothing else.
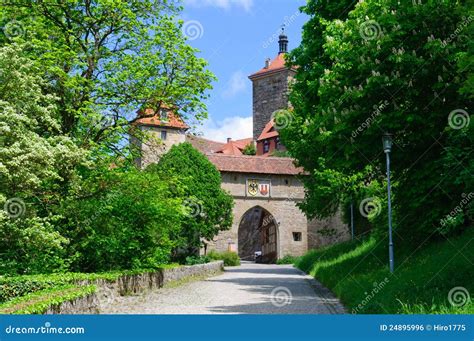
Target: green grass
(38, 302)
(357, 272)
(19, 286)
(288, 259)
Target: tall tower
(270, 87)
(165, 129)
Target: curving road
(247, 289)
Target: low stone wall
(107, 292)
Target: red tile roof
(254, 164)
(150, 119)
(205, 146)
(276, 65)
(234, 147)
(268, 132)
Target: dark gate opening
(258, 234)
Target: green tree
(209, 208)
(386, 66)
(125, 220)
(34, 159)
(67, 100)
(32, 147)
(107, 59)
(249, 149)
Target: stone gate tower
(270, 88)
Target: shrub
(30, 245)
(39, 302)
(130, 220)
(288, 259)
(249, 149)
(208, 206)
(229, 258)
(194, 260)
(280, 153)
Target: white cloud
(236, 84)
(224, 4)
(235, 127)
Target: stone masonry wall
(327, 231)
(108, 292)
(286, 192)
(153, 149)
(270, 93)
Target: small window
(297, 236)
(163, 115)
(164, 135)
(266, 146)
(277, 143)
(287, 182)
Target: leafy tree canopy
(209, 208)
(384, 66)
(32, 150)
(249, 149)
(104, 60)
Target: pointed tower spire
(283, 41)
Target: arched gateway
(266, 192)
(258, 233)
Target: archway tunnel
(258, 235)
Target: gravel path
(247, 289)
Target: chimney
(229, 139)
(267, 63)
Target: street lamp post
(387, 140)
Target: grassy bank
(357, 272)
(33, 294)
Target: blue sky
(235, 37)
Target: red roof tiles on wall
(173, 120)
(268, 132)
(254, 164)
(277, 64)
(205, 146)
(235, 147)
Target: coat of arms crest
(264, 189)
(258, 188)
(252, 187)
